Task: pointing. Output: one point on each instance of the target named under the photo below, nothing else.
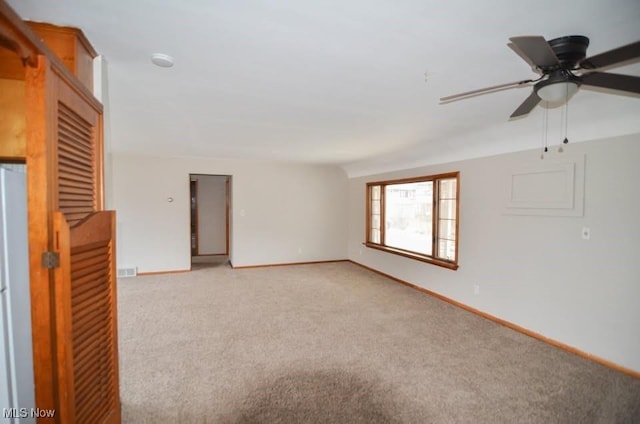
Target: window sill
(416, 256)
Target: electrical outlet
(299, 250)
(476, 289)
(586, 233)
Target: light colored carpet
(335, 343)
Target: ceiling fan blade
(613, 81)
(612, 57)
(537, 50)
(526, 106)
(483, 91)
(523, 57)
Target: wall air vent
(127, 272)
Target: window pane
(448, 209)
(447, 229)
(375, 192)
(375, 236)
(408, 216)
(375, 222)
(448, 189)
(447, 249)
(447, 218)
(375, 207)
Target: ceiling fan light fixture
(555, 92)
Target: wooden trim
(117, 416)
(367, 221)
(175, 271)
(193, 212)
(458, 217)
(227, 195)
(288, 264)
(18, 161)
(209, 254)
(508, 324)
(16, 36)
(383, 214)
(40, 101)
(416, 179)
(412, 255)
(74, 32)
(63, 321)
(67, 76)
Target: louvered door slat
(74, 187)
(92, 335)
(90, 264)
(72, 174)
(77, 148)
(88, 349)
(76, 205)
(91, 413)
(76, 165)
(90, 282)
(89, 294)
(73, 116)
(78, 131)
(74, 183)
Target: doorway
(210, 219)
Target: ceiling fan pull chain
(545, 130)
(565, 120)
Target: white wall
(212, 214)
(281, 212)
(101, 92)
(537, 271)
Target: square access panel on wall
(550, 187)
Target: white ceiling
(339, 82)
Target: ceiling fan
(563, 67)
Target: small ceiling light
(162, 60)
(557, 92)
(559, 87)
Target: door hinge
(50, 260)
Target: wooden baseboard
(289, 264)
(177, 271)
(510, 325)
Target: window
(416, 217)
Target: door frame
(193, 215)
(227, 212)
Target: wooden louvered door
(87, 356)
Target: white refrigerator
(17, 398)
